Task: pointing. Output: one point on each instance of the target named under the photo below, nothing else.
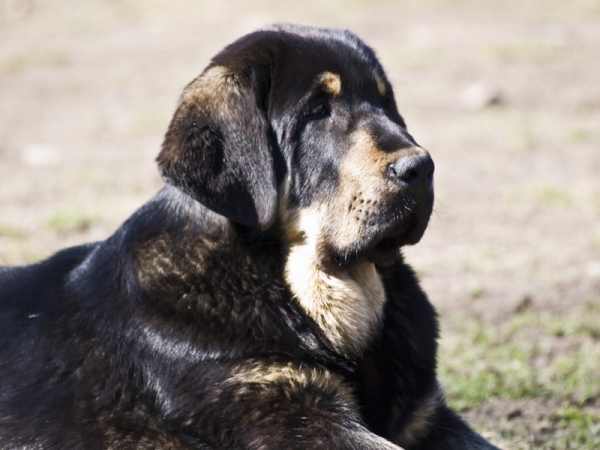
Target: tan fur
(272, 376)
(362, 182)
(347, 305)
(381, 87)
(363, 185)
(331, 83)
(154, 259)
(216, 84)
(375, 441)
(293, 373)
(422, 418)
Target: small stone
(40, 155)
(479, 96)
(524, 304)
(514, 414)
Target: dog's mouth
(392, 226)
(385, 249)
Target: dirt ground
(505, 96)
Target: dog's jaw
(347, 305)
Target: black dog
(259, 300)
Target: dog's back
(25, 287)
(34, 317)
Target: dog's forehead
(320, 59)
(300, 55)
(324, 71)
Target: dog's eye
(318, 111)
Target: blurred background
(504, 94)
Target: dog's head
(296, 130)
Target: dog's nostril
(391, 172)
(410, 177)
(412, 171)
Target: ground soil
(505, 96)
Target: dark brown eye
(318, 111)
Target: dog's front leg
(447, 431)
(399, 393)
(266, 404)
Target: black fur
(180, 330)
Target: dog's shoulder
(23, 285)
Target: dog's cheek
(354, 212)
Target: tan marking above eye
(381, 87)
(331, 83)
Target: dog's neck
(347, 305)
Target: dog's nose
(414, 171)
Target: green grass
(527, 53)
(595, 238)
(151, 121)
(583, 429)
(549, 359)
(35, 58)
(545, 195)
(416, 59)
(524, 138)
(8, 231)
(550, 195)
(70, 220)
(581, 135)
(577, 136)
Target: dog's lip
(395, 237)
(407, 230)
(400, 228)
(383, 248)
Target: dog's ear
(217, 148)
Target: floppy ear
(217, 147)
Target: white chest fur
(348, 305)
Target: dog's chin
(383, 249)
(386, 250)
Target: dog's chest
(225, 295)
(348, 306)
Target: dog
(260, 300)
